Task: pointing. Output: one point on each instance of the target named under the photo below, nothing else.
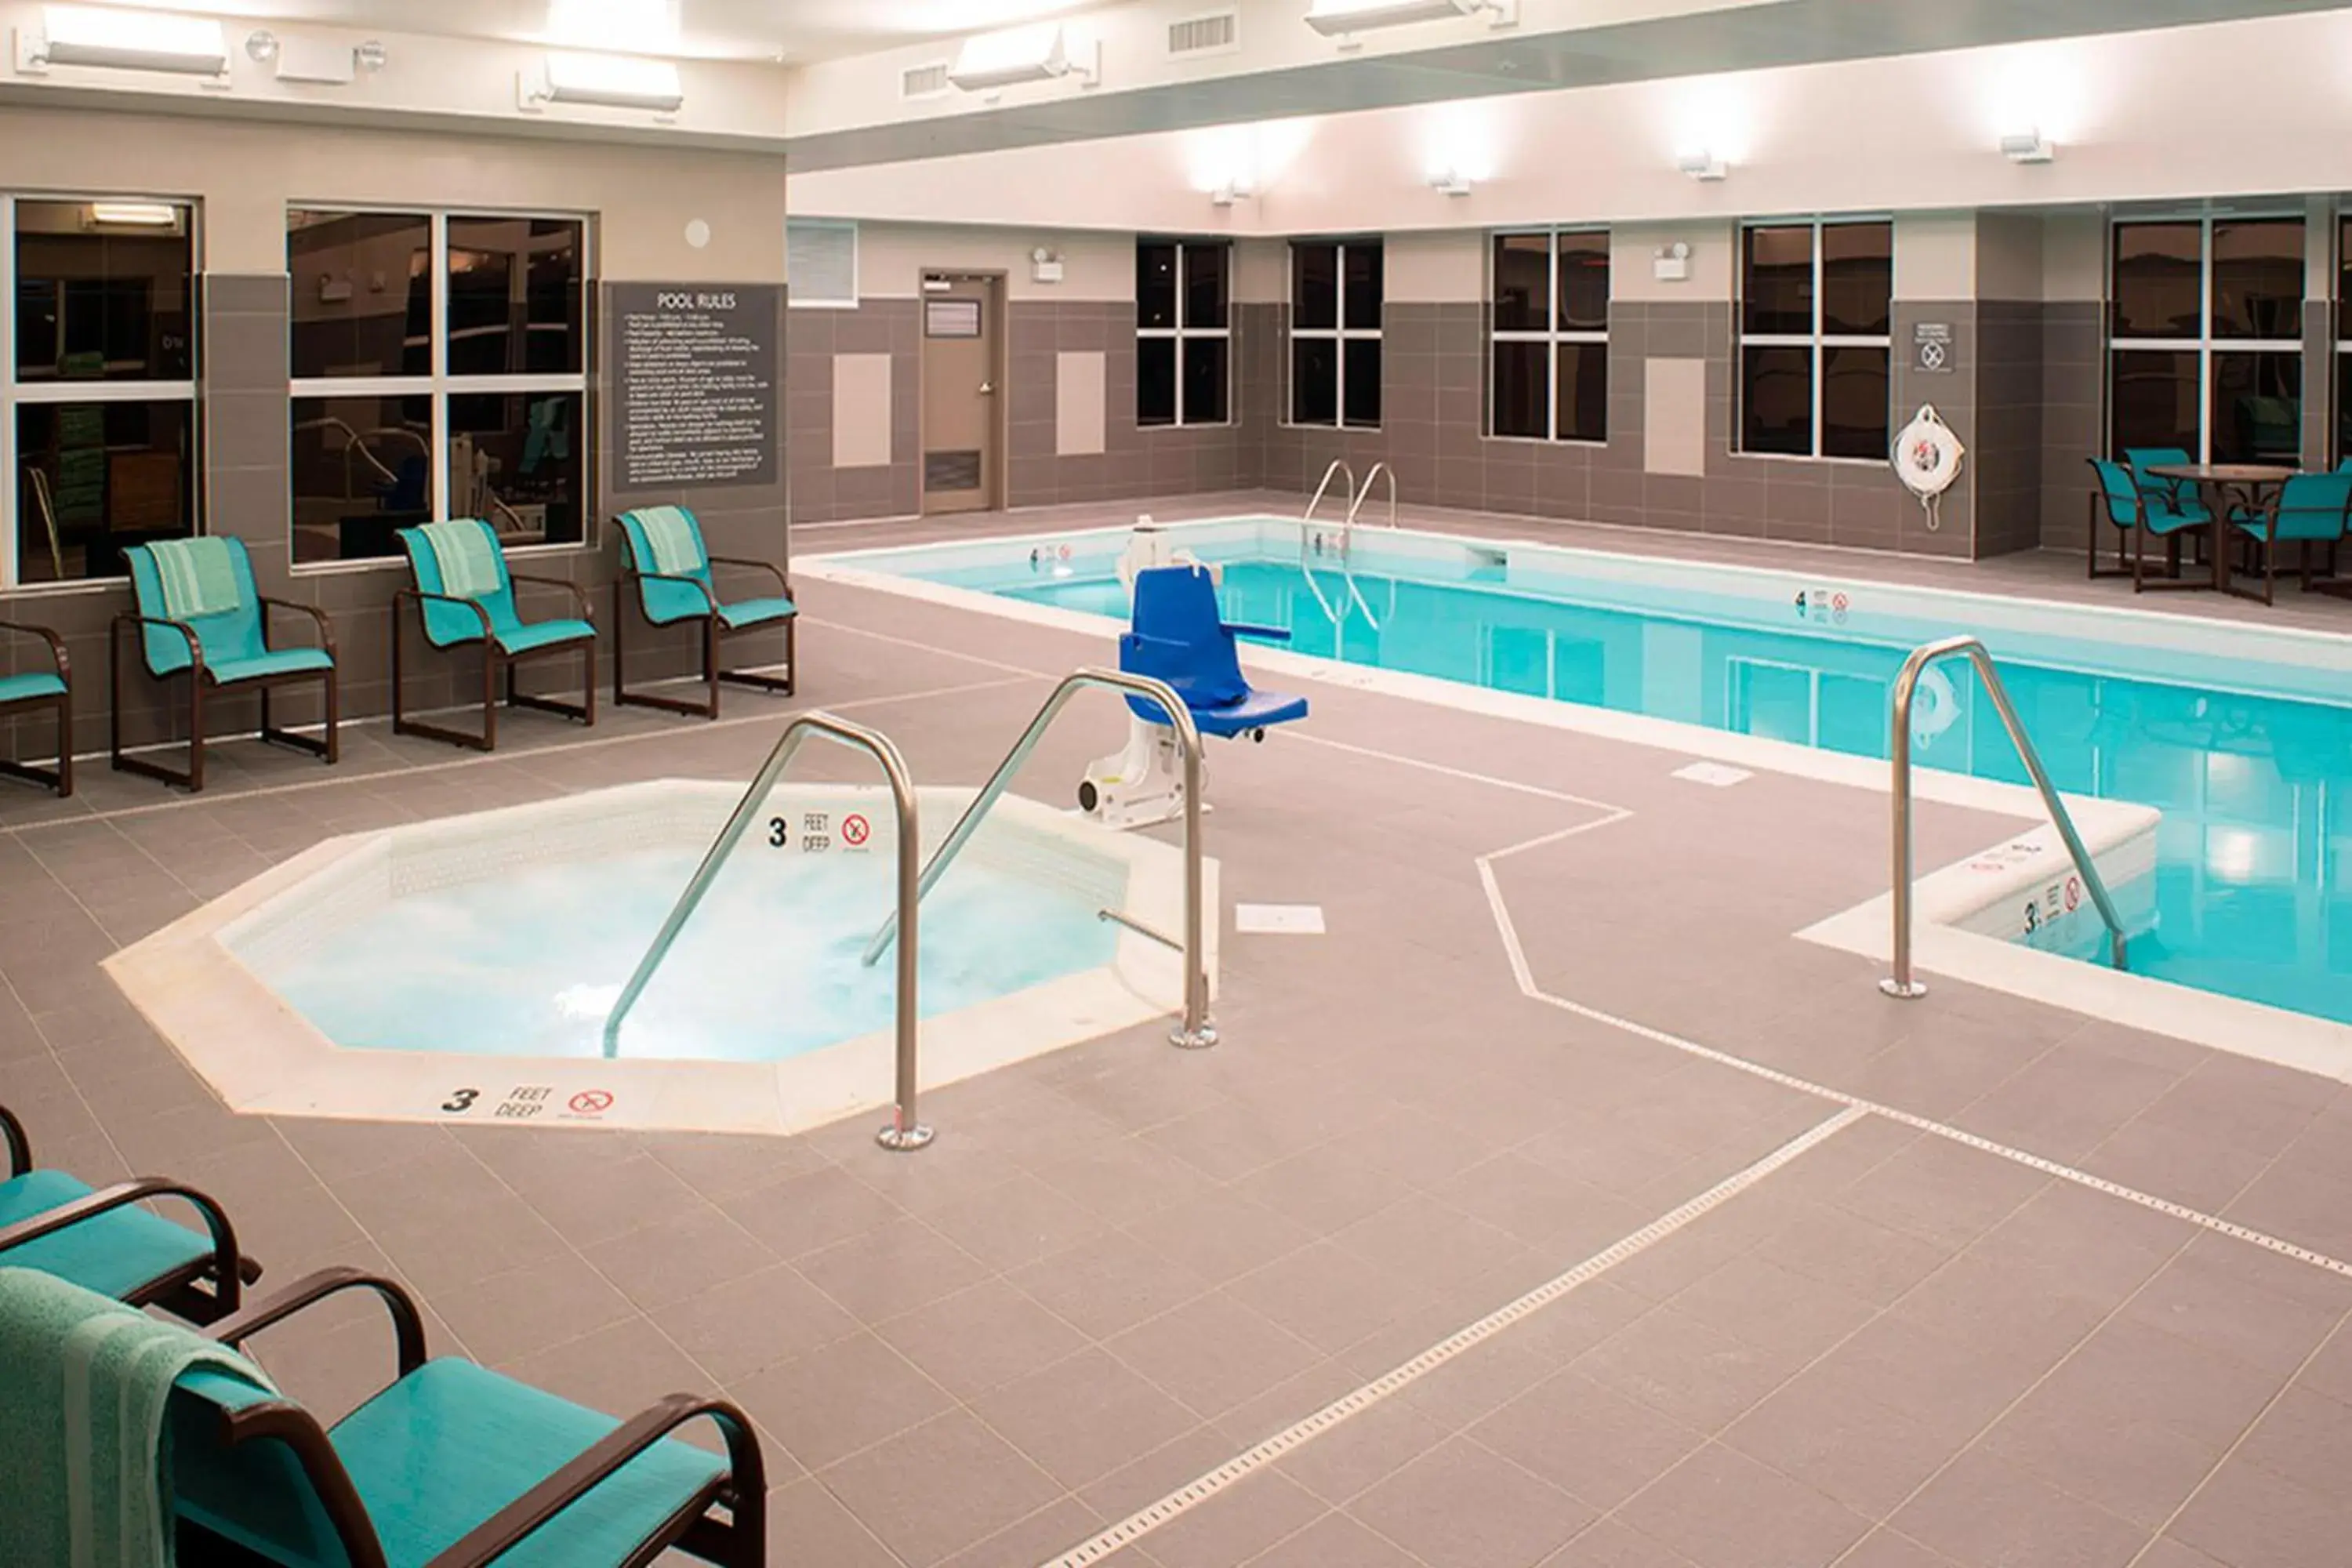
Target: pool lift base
(1142, 784)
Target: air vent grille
(1218, 33)
(821, 264)
(924, 81)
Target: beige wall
(1935, 256)
(1447, 267)
(892, 258)
(1633, 260)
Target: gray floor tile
(747, 1324)
(1329, 1297)
(897, 1268)
(1335, 1540)
(1984, 1510)
(1586, 1440)
(1722, 1510)
(1110, 1285)
(1085, 1417)
(691, 1250)
(1845, 1446)
(1213, 1355)
(939, 1488)
(1237, 1525)
(812, 1520)
(982, 1338)
(1463, 1506)
(1348, 1458)
(1040, 1537)
(1687, 1371)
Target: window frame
(439, 385)
(1338, 334)
(1184, 332)
(2205, 345)
(1818, 342)
(15, 395)
(1554, 336)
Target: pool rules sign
(696, 385)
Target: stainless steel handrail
(1366, 493)
(906, 1132)
(1197, 1032)
(1906, 685)
(1337, 467)
(1348, 537)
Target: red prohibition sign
(855, 830)
(2073, 892)
(592, 1102)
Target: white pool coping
(263, 1057)
(1954, 905)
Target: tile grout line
(1144, 1522)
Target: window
(1552, 335)
(2205, 338)
(440, 369)
(1334, 332)
(1183, 332)
(1816, 321)
(97, 384)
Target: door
(962, 369)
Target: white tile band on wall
(861, 411)
(1080, 404)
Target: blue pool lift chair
(2313, 513)
(2140, 514)
(453, 1465)
(32, 690)
(100, 1240)
(1180, 635)
(464, 596)
(198, 616)
(671, 572)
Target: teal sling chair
(666, 565)
(2142, 513)
(2309, 511)
(199, 617)
(100, 1240)
(453, 1465)
(33, 690)
(464, 597)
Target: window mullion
(439, 435)
(11, 485)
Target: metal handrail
(906, 1132)
(1337, 467)
(1366, 493)
(1901, 984)
(1348, 537)
(1197, 1031)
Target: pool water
(528, 963)
(2253, 894)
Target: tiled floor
(1932, 1340)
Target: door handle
(988, 389)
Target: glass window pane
(515, 296)
(2258, 408)
(1584, 392)
(1155, 381)
(1205, 284)
(1776, 280)
(1584, 282)
(515, 462)
(1366, 279)
(362, 466)
(1314, 381)
(2158, 282)
(1205, 381)
(2344, 278)
(1361, 359)
(1776, 400)
(95, 477)
(2156, 398)
(1314, 287)
(1855, 387)
(1522, 389)
(1155, 284)
(362, 293)
(1522, 282)
(102, 299)
(1857, 278)
(2343, 407)
(2258, 273)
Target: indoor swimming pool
(2241, 738)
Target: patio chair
(199, 616)
(97, 1239)
(2309, 510)
(665, 562)
(1179, 636)
(464, 596)
(2173, 492)
(2131, 507)
(454, 1466)
(34, 691)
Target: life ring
(1927, 456)
(1934, 706)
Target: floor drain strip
(1193, 1494)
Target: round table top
(2225, 473)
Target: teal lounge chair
(2142, 515)
(98, 1240)
(2171, 492)
(665, 566)
(464, 596)
(454, 1466)
(199, 617)
(34, 691)
(2310, 510)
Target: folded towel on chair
(198, 577)
(466, 553)
(83, 1384)
(674, 541)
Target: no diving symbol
(855, 831)
(2073, 894)
(1932, 356)
(592, 1102)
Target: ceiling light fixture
(1702, 166)
(606, 81)
(1451, 181)
(994, 62)
(261, 46)
(135, 215)
(124, 40)
(1338, 18)
(2027, 147)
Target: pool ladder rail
(1352, 599)
(1903, 984)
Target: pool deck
(1605, 1224)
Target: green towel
(83, 1383)
(467, 554)
(198, 577)
(674, 541)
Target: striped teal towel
(83, 1384)
(198, 577)
(674, 540)
(467, 552)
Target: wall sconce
(1231, 191)
(1450, 181)
(2027, 147)
(1702, 166)
(1672, 263)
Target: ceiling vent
(924, 81)
(1219, 34)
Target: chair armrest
(783, 583)
(578, 595)
(57, 644)
(232, 1267)
(507, 1528)
(195, 643)
(1244, 630)
(1158, 642)
(20, 1148)
(408, 1323)
(420, 596)
(318, 618)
